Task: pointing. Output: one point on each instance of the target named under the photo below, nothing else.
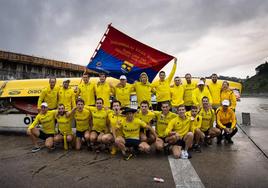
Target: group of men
(186, 115)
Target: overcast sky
(228, 37)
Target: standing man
(228, 94)
(49, 95)
(162, 87)
(226, 121)
(66, 95)
(177, 92)
(215, 91)
(188, 90)
(86, 90)
(200, 92)
(47, 120)
(123, 91)
(143, 89)
(103, 90)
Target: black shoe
(219, 141)
(230, 141)
(167, 149)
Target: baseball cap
(123, 77)
(44, 104)
(201, 82)
(66, 80)
(225, 103)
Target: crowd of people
(187, 116)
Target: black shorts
(97, 132)
(44, 136)
(181, 143)
(206, 132)
(132, 142)
(80, 134)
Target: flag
(118, 54)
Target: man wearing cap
(162, 87)
(103, 90)
(131, 133)
(200, 92)
(86, 90)
(189, 86)
(226, 121)
(143, 89)
(215, 91)
(47, 120)
(66, 95)
(49, 95)
(122, 91)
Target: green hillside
(259, 82)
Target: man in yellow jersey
(47, 120)
(103, 90)
(228, 94)
(196, 121)
(143, 89)
(181, 127)
(188, 90)
(86, 90)
(66, 95)
(131, 133)
(82, 117)
(162, 119)
(177, 92)
(122, 91)
(115, 117)
(148, 117)
(215, 91)
(100, 130)
(49, 95)
(226, 121)
(200, 92)
(162, 87)
(64, 123)
(208, 118)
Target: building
(20, 66)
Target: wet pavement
(242, 164)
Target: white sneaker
(184, 154)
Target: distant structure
(261, 69)
(20, 66)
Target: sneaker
(36, 149)
(198, 149)
(184, 154)
(230, 141)
(219, 141)
(189, 155)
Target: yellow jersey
(177, 93)
(87, 93)
(123, 94)
(50, 96)
(196, 123)
(47, 121)
(64, 124)
(82, 119)
(180, 126)
(143, 92)
(115, 120)
(162, 122)
(225, 117)
(66, 97)
(215, 91)
(147, 118)
(99, 119)
(198, 95)
(188, 90)
(229, 95)
(132, 129)
(103, 90)
(208, 118)
(162, 88)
